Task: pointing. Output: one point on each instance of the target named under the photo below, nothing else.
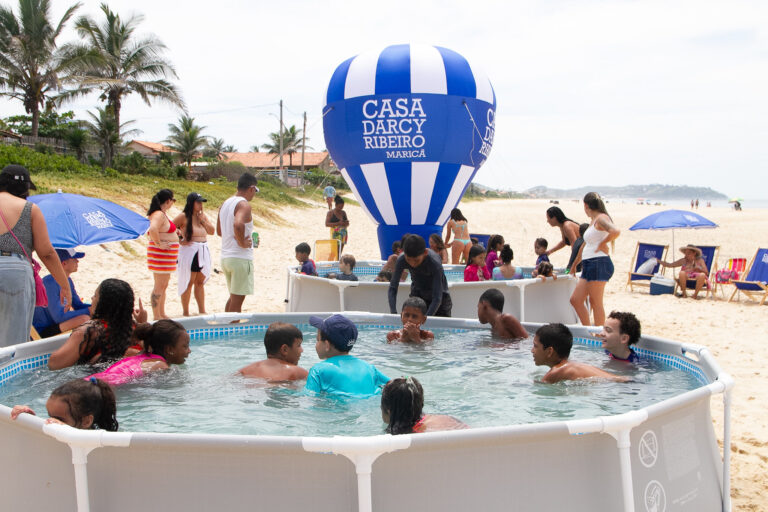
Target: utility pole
(282, 173)
(303, 143)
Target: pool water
(470, 375)
(453, 273)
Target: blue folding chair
(643, 253)
(754, 284)
(709, 254)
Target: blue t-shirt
(345, 375)
(46, 316)
(308, 268)
(329, 191)
(542, 257)
(633, 357)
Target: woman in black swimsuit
(569, 230)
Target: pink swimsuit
(125, 370)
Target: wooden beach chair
(33, 334)
(644, 252)
(709, 253)
(754, 283)
(733, 269)
(327, 250)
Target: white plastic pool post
(623, 443)
(341, 299)
(728, 383)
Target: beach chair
(327, 250)
(754, 283)
(732, 270)
(33, 334)
(709, 253)
(644, 252)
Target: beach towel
(647, 266)
(186, 255)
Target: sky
(588, 92)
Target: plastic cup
(255, 237)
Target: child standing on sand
(413, 316)
(402, 402)
(283, 344)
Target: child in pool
(283, 344)
(540, 248)
(620, 332)
(495, 244)
(476, 269)
(402, 401)
(552, 346)
(437, 245)
(413, 315)
(340, 373)
(166, 342)
(346, 266)
(83, 404)
(506, 270)
(384, 276)
(302, 256)
(503, 325)
(545, 270)
(389, 266)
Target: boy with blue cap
(339, 372)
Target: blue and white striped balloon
(409, 126)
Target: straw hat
(693, 248)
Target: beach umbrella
(75, 220)
(736, 200)
(674, 219)
(408, 126)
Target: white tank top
(592, 238)
(229, 247)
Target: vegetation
(292, 142)
(104, 130)
(31, 65)
(187, 139)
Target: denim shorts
(597, 269)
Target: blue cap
(69, 254)
(338, 329)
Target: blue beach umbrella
(75, 220)
(408, 126)
(674, 219)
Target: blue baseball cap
(338, 329)
(69, 254)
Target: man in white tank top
(235, 227)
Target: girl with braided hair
(108, 334)
(402, 401)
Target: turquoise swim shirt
(345, 375)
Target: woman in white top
(597, 267)
(194, 255)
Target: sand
(735, 332)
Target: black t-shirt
(427, 281)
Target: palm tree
(77, 138)
(215, 148)
(104, 130)
(186, 139)
(114, 60)
(31, 66)
(291, 143)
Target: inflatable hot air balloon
(409, 126)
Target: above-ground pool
(660, 452)
(530, 300)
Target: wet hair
(583, 227)
(395, 246)
(111, 325)
(557, 336)
(403, 399)
(595, 203)
(506, 254)
(494, 298)
(415, 302)
(413, 246)
(303, 248)
(279, 334)
(385, 274)
(494, 241)
(338, 200)
(89, 397)
(348, 259)
(159, 336)
(456, 215)
(541, 242)
(474, 251)
(628, 324)
(246, 181)
(189, 209)
(545, 269)
(438, 240)
(158, 199)
(557, 213)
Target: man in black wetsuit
(427, 277)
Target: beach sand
(734, 332)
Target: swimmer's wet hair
(494, 298)
(385, 274)
(303, 248)
(159, 336)
(348, 259)
(628, 324)
(545, 269)
(89, 397)
(396, 245)
(557, 336)
(403, 399)
(541, 242)
(279, 334)
(413, 246)
(415, 302)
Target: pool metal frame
(482, 467)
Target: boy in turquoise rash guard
(339, 372)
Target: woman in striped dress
(163, 248)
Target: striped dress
(162, 261)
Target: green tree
(50, 124)
(77, 139)
(115, 61)
(104, 130)
(291, 142)
(31, 65)
(187, 139)
(215, 148)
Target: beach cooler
(661, 285)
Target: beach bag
(41, 296)
(724, 275)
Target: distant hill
(654, 191)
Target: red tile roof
(272, 160)
(154, 146)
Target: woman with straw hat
(693, 267)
